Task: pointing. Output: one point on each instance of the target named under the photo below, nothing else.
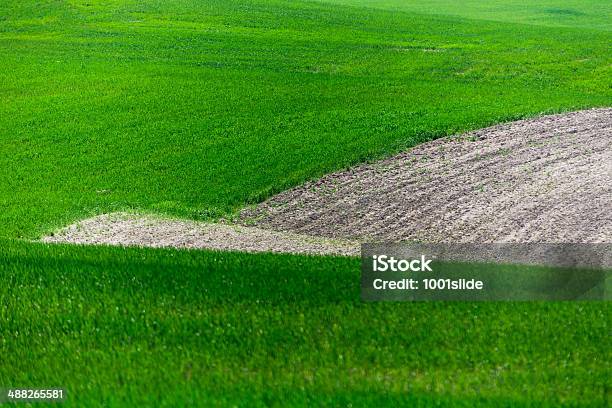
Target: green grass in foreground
(147, 327)
(196, 108)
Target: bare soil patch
(547, 179)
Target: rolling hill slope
(196, 108)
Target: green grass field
(197, 108)
(171, 328)
(595, 14)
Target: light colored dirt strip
(547, 179)
(141, 230)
